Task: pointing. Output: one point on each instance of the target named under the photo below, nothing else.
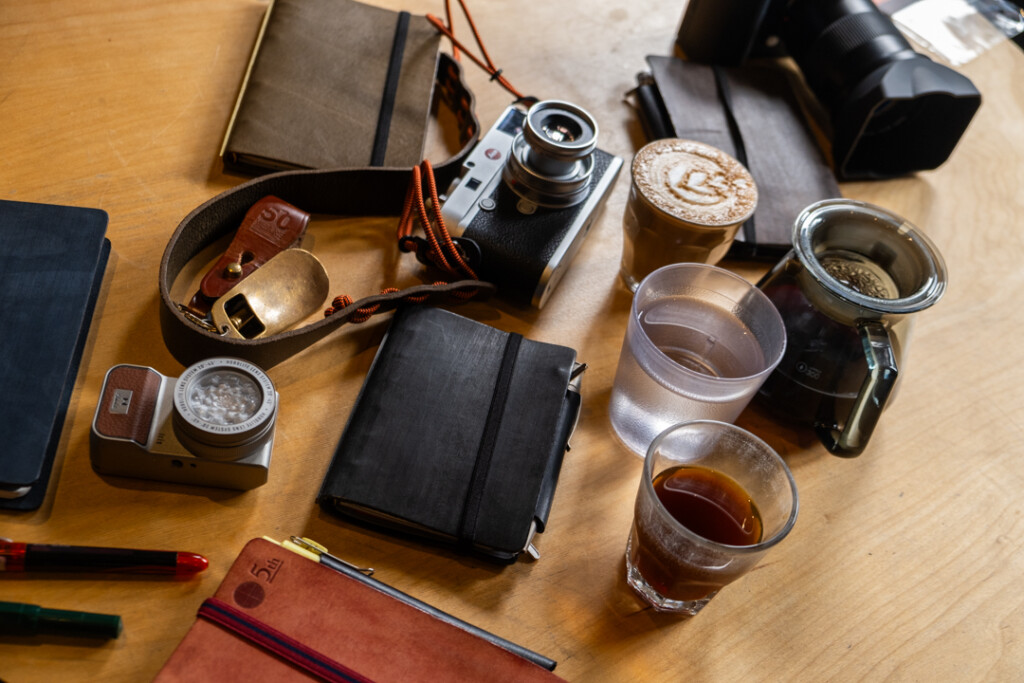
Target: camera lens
(224, 397)
(560, 128)
(894, 111)
(224, 408)
(551, 160)
(839, 43)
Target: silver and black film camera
(213, 426)
(527, 196)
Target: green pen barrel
(21, 619)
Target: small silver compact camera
(527, 196)
(213, 426)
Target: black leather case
(457, 434)
(753, 113)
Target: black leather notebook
(457, 434)
(52, 260)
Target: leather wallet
(334, 84)
(457, 435)
(278, 616)
(753, 113)
(52, 261)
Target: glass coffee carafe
(846, 292)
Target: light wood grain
(905, 563)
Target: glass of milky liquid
(699, 343)
(686, 203)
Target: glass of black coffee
(713, 499)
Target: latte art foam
(694, 182)
(687, 201)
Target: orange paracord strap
(486, 63)
(442, 250)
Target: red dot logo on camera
(492, 154)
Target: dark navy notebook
(52, 260)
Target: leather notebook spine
(566, 426)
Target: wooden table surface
(905, 562)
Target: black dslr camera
(893, 111)
(527, 196)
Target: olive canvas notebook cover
(52, 261)
(334, 84)
(279, 616)
(457, 435)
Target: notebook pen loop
(317, 549)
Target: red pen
(37, 557)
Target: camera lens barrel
(559, 131)
(837, 44)
(893, 111)
(224, 408)
(551, 161)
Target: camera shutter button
(488, 204)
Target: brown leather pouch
(334, 84)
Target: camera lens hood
(907, 116)
(223, 408)
(894, 111)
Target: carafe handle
(851, 440)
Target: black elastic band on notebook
(725, 95)
(387, 103)
(475, 496)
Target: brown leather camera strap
(370, 191)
